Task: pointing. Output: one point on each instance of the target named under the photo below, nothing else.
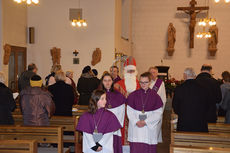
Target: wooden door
(17, 64)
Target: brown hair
(146, 75)
(226, 76)
(101, 84)
(95, 97)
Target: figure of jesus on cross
(192, 11)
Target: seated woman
(98, 125)
(63, 95)
(36, 104)
(7, 103)
(144, 112)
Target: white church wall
(53, 29)
(149, 31)
(13, 26)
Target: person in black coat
(87, 83)
(190, 104)
(212, 87)
(7, 103)
(63, 95)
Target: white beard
(130, 82)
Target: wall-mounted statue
(56, 55)
(7, 51)
(96, 57)
(171, 39)
(213, 41)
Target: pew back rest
(18, 146)
(40, 134)
(66, 122)
(191, 149)
(200, 139)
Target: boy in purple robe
(98, 125)
(116, 104)
(144, 111)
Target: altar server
(144, 111)
(116, 104)
(98, 125)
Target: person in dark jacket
(36, 104)
(225, 89)
(63, 95)
(87, 83)
(7, 103)
(212, 87)
(24, 79)
(190, 103)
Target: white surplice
(106, 142)
(147, 134)
(119, 112)
(162, 93)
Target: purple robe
(117, 102)
(117, 79)
(151, 101)
(115, 99)
(108, 123)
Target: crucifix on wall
(192, 11)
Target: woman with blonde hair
(63, 95)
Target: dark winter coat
(85, 86)
(63, 97)
(225, 103)
(212, 88)
(190, 103)
(7, 105)
(37, 106)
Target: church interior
(168, 34)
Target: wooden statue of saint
(213, 41)
(171, 39)
(7, 51)
(56, 55)
(96, 57)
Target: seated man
(36, 104)
(190, 103)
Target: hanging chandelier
(206, 22)
(78, 23)
(76, 17)
(27, 1)
(226, 1)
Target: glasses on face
(146, 82)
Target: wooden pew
(200, 139)
(66, 122)
(18, 146)
(190, 149)
(40, 134)
(78, 137)
(81, 107)
(212, 127)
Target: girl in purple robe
(116, 104)
(144, 111)
(98, 125)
